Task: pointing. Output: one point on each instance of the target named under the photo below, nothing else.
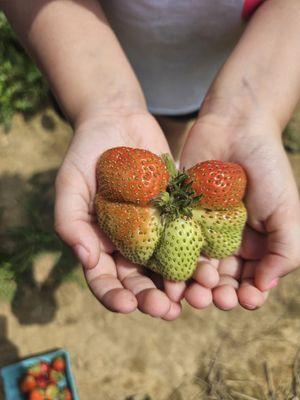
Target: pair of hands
(270, 247)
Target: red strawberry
(221, 184)
(66, 394)
(45, 366)
(51, 392)
(37, 394)
(42, 381)
(39, 369)
(131, 175)
(28, 383)
(58, 364)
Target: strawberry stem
(179, 197)
(168, 160)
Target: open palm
(270, 247)
(119, 285)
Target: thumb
(201, 145)
(283, 255)
(75, 226)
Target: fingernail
(273, 283)
(249, 306)
(82, 254)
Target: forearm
(78, 53)
(261, 78)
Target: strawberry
(135, 230)
(220, 184)
(65, 394)
(221, 220)
(27, 383)
(36, 370)
(131, 175)
(162, 218)
(44, 366)
(42, 381)
(51, 392)
(55, 376)
(37, 394)
(221, 244)
(58, 364)
(222, 229)
(178, 251)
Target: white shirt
(175, 47)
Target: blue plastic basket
(11, 374)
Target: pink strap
(249, 7)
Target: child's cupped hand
(118, 284)
(270, 247)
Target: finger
(151, 300)
(249, 296)
(173, 313)
(192, 153)
(224, 295)
(206, 275)
(198, 296)
(74, 224)
(103, 282)
(231, 266)
(174, 290)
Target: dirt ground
(115, 356)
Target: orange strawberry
(135, 230)
(37, 394)
(28, 383)
(58, 364)
(131, 175)
(221, 185)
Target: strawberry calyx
(179, 197)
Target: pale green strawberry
(135, 230)
(222, 230)
(222, 220)
(221, 244)
(178, 250)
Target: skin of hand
(241, 121)
(270, 247)
(119, 285)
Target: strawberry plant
(162, 218)
(22, 88)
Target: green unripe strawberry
(222, 229)
(135, 230)
(177, 253)
(52, 392)
(221, 244)
(221, 220)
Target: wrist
(96, 114)
(115, 105)
(235, 114)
